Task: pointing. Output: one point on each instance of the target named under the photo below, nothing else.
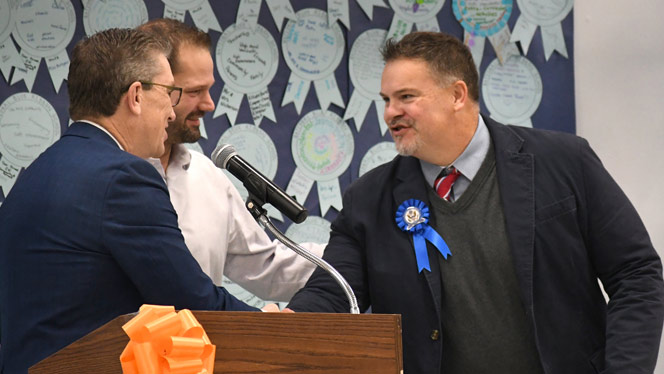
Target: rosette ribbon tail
(421, 253)
(421, 248)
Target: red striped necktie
(444, 181)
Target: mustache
(193, 115)
(401, 121)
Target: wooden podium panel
(293, 343)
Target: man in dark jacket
(488, 239)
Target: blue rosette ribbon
(413, 217)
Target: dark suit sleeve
(346, 253)
(629, 268)
(141, 232)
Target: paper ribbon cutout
(367, 6)
(548, 16)
(413, 216)
(199, 10)
(163, 341)
(247, 13)
(338, 10)
(280, 9)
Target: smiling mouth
(398, 128)
(195, 116)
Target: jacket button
(435, 334)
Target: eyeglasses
(174, 92)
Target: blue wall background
(556, 111)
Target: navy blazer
(568, 224)
(89, 233)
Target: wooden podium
(259, 343)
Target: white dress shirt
(223, 236)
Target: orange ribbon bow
(162, 341)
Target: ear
(134, 98)
(460, 92)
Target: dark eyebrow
(195, 88)
(401, 91)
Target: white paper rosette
(367, 6)
(322, 148)
(9, 56)
(547, 15)
(247, 60)
(200, 10)
(512, 91)
(482, 19)
(248, 11)
(43, 29)
(280, 10)
(377, 155)
(338, 10)
(407, 13)
(28, 125)
(365, 67)
(257, 148)
(312, 51)
(99, 15)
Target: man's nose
(207, 105)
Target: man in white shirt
(219, 231)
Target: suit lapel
(516, 180)
(410, 184)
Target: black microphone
(225, 157)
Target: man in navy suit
(488, 239)
(88, 232)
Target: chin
(406, 149)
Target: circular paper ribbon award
(44, 29)
(200, 10)
(247, 60)
(377, 155)
(28, 125)
(547, 15)
(409, 12)
(9, 56)
(413, 217)
(312, 51)
(365, 67)
(257, 148)
(482, 19)
(322, 148)
(512, 92)
(99, 15)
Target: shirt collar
(180, 159)
(100, 127)
(470, 160)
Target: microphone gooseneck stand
(255, 207)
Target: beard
(179, 132)
(408, 147)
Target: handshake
(274, 308)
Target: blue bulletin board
(539, 70)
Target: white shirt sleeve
(224, 237)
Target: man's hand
(271, 308)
